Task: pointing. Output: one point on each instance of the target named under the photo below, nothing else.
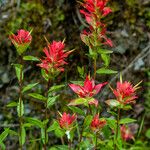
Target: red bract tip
(88, 90)
(126, 133)
(55, 57)
(66, 121)
(21, 41)
(97, 124)
(125, 92)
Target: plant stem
(48, 85)
(20, 103)
(94, 69)
(95, 142)
(117, 129)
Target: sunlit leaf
(20, 108)
(38, 96)
(105, 71)
(4, 134)
(126, 120)
(29, 86)
(31, 58)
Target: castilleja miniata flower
(66, 121)
(126, 133)
(88, 90)
(125, 92)
(94, 11)
(55, 57)
(97, 124)
(21, 41)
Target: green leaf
(111, 123)
(59, 132)
(54, 126)
(112, 103)
(2, 146)
(43, 136)
(38, 96)
(77, 101)
(31, 58)
(126, 120)
(77, 110)
(55, 88)
(20, 108)
(51, 101)
(104, 51)
(87, 121)
(147, 134)
(19, 69)
(23, 136)
(12, 132)
(106, 59)
(35, 122)
(105, 71)
(4, 135)
(12, 104)
(28, 87)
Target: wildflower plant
(82, 122)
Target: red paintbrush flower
(125, 92)
(21, 41)
(55, 57)
(94, 11)
(126, 133)
(88, 90)
(66, 120)
(97, 124)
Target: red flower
(97, 124)
(126, 133)
(55, 55)
(88, 90)
(67, 120)
(94, 11)
(125, 92)
(21, 41)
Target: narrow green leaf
(20, 108)
(23, 135)
(28, 87)
(35, 122)
(31, 58)
(87, 121)
(59, 132)
(126, 120)
(104, 51)
(105, 71)
(111, 123)
(54, 126)
(77, 110)
(106, 59)
(4, 135)
(37, 96)
(77, 101)
(2, 146)
(12, 104)
(59, 147)
(55, 88)
(147, 134)
(19, 68)
(12, 132)
(51, 101)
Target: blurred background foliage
(128, 27)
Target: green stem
(117, 130)
(46, 116)
(20, 104)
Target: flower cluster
(94, 11)
(55, 57)
(126, 133)
(88, 90)
(125, 92)
(66, 121)
(97, 124)
(21, 41)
